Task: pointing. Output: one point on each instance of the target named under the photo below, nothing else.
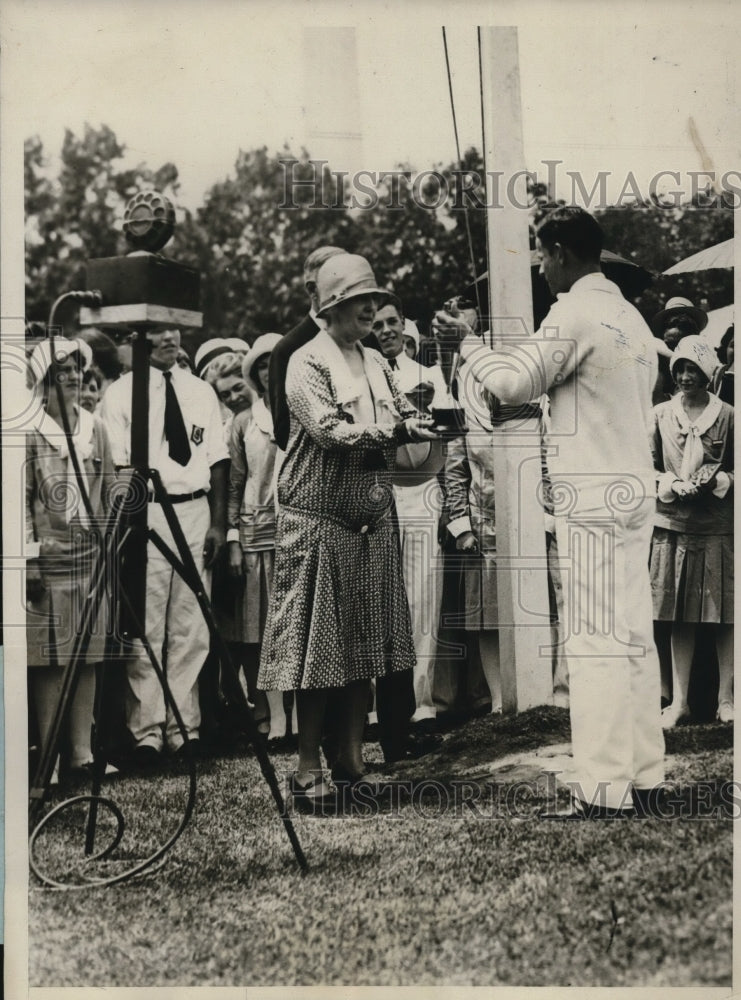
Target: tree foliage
(426, 238)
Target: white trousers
(418, 509)
(614, 678)
(173, 622)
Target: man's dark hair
(319, 256)
(395, 301)
(573, 228)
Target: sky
(604, 87)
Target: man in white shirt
(186, 446)
(418, 506)
(595, 357)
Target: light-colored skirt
(338, 609)
(53, 622)
(692, 577)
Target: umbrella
(719, 255)
(718, 322)
(631, 278)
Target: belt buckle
(364, 529)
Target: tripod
(127, 532)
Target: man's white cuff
(458, 525)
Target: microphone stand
(125, 538)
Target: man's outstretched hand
(449, 329)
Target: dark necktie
(175, 432)
(394, 363)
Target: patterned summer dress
(338, 610)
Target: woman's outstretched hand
(416, 429)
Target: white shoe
(673, 714)
(725, 711)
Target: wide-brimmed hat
(418, 463)
(262, 346)
(697, 350)
(208, 352)
(676, 307)
(343, 277)
(41, 359)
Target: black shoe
(420, 744)
(370, 733)
(145, 757)
(312, 805)
(342, 776)
(191, 747)
(425, 727)
(579, 811)
(356, 792)
(279, 744)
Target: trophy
(449, 415)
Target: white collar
(347, 386)
(703, 422)
(594, 281)
(157, 375)
(82, 436)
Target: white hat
(41, 359)
(697, 350)
(343, 277)
(208, 352)
(237, 344)
(262, 346)
(410, 330)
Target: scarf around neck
(694, 453)
(83, 442)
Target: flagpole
(522, 580)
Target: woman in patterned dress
(338, 612)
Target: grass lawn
(419, 893)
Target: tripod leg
(99, 755)
(192, 577)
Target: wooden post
(522, 581)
